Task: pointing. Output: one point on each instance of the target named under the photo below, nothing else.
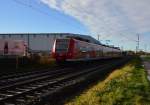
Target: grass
(125, 86)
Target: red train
(70, 49)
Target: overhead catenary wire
(43, 12)
(20, 2)
(130, 39)
(66, 22)
(87, 12)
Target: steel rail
(48, 83)
(36, 89)
(32, 75)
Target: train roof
(110, 46)
(81, 39)
(86, 38)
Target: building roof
(86, 37)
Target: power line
(128, 38)
(138, 43)
(145, 47)
(43, 12)
(87, 12)
(66, 22)
(98, 36)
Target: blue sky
(118, 21)
(19, 18)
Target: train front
(62, 49)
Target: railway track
(25, 71)
(16, 77)
(33, 91)
(12, 73)
(9, 92)
(8, 79)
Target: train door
(76, 50)
(101, 51)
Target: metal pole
(98, 37)
(145, 47)
(28, 41)
(122, 48)
(138, 44)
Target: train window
(62, 45)
(16, 45)
(77, 45)
(87, 48)
(81, 48)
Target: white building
(42, 42)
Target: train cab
(70, 49)
(63, 49)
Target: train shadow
(85, 63)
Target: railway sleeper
(9, 104)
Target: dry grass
(125, 86)
(46, 60)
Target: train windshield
(62, 45)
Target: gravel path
(147, 68)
